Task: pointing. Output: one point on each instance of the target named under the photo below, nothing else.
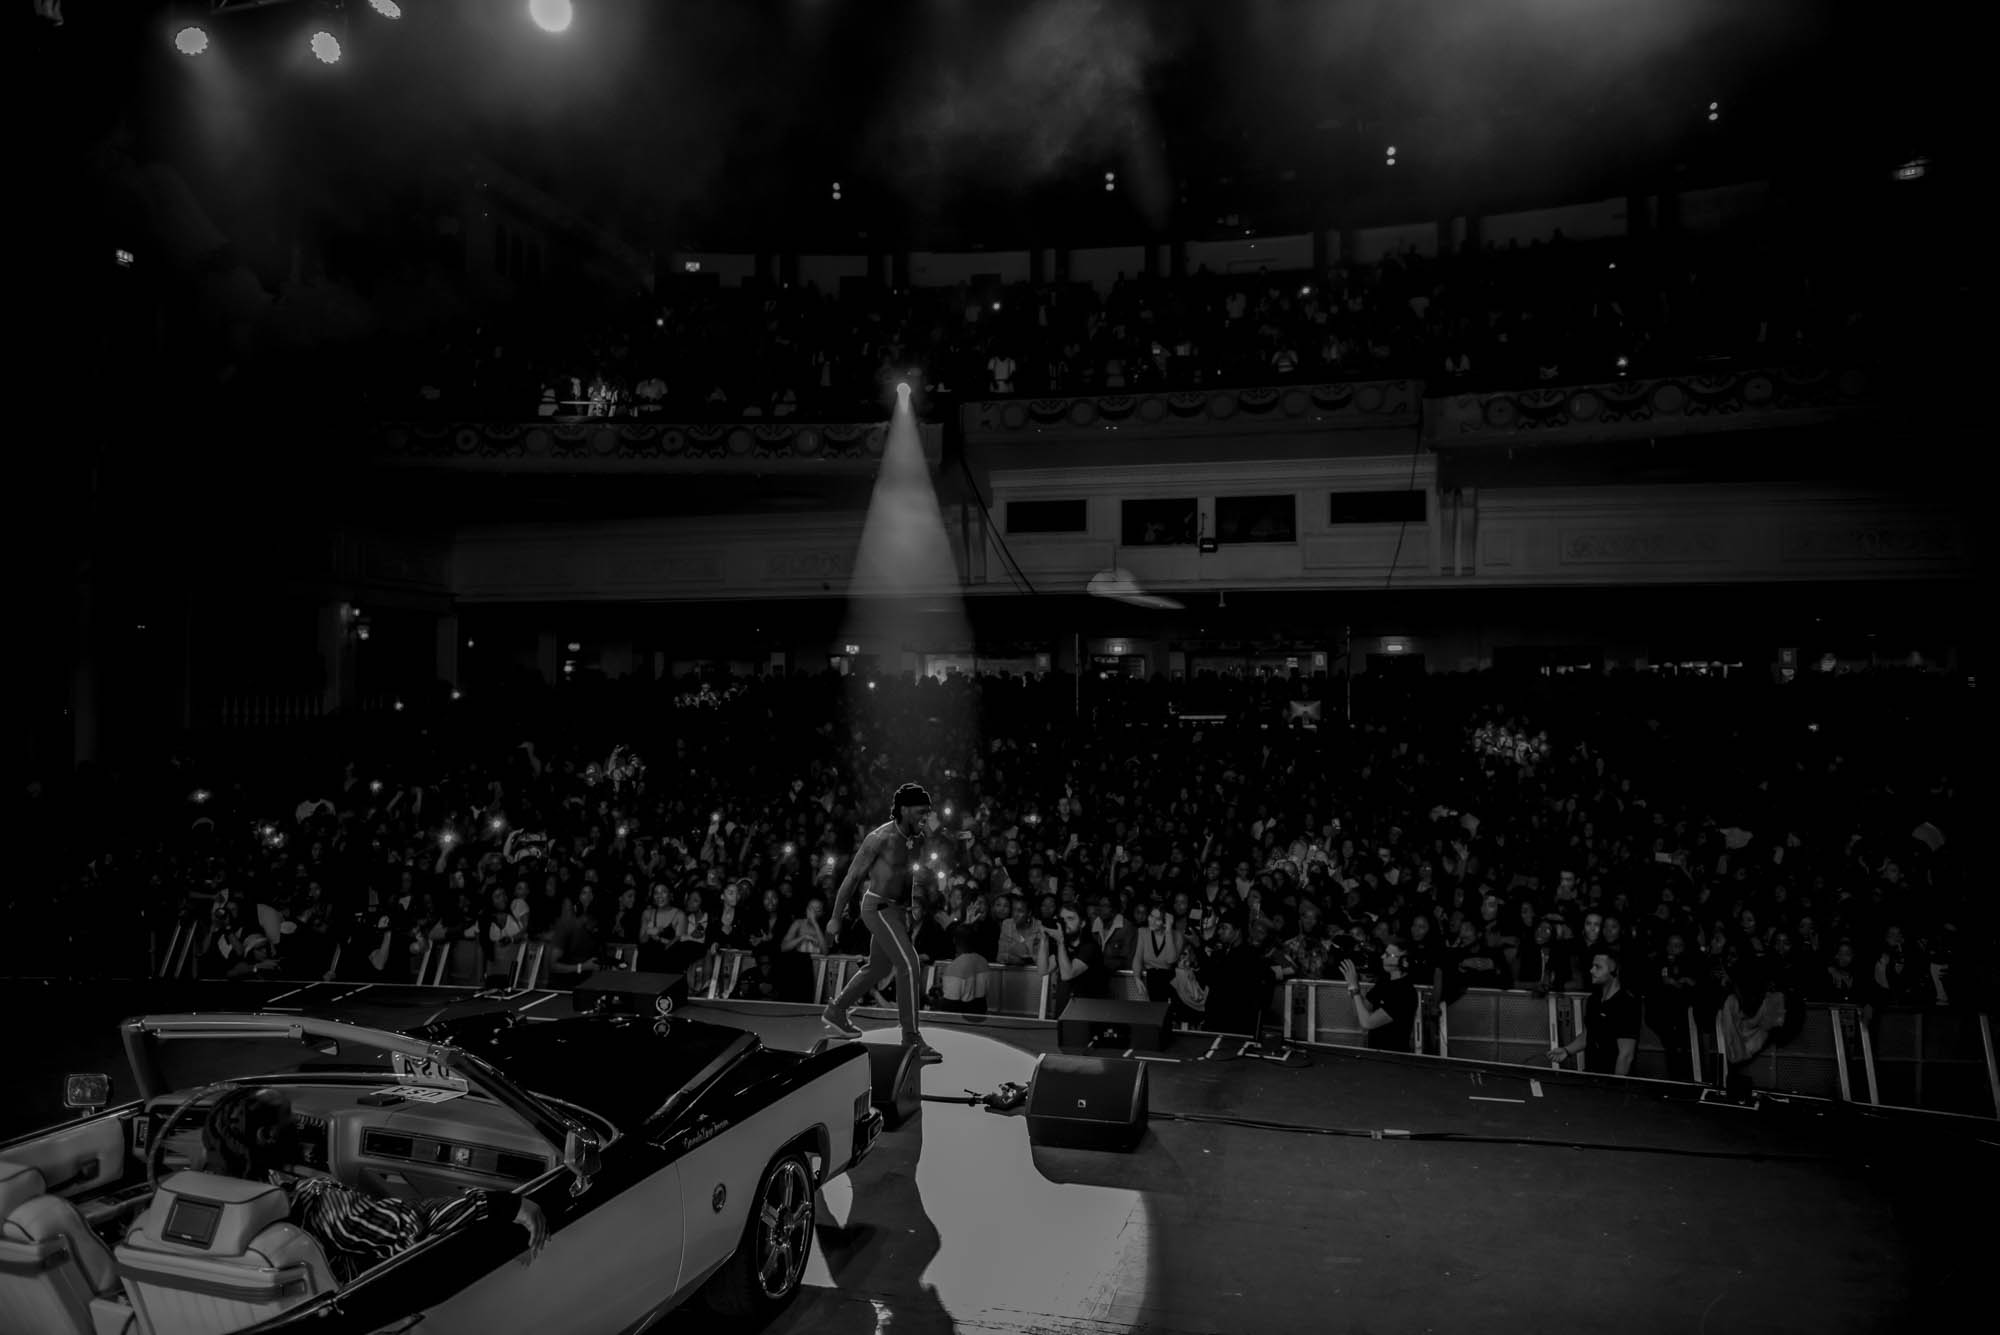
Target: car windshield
(188, 1063)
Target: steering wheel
(154, 1151)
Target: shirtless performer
(884, 860)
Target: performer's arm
(864, 857)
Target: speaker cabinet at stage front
(631, 993)
(1116, 1026)
(1087, 1103)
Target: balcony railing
(1640, 408)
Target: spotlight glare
(903, 389)
(191, 40)
(327, 47)
(388, 9)
(550, 15)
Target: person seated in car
(251, 1134)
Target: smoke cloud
(1062, 89)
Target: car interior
(89, 1245)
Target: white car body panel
(601, 1273)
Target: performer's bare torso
(889, 871)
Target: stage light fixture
(388, 9)
(326, 47)
(551, 15)
(191, 40)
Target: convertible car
(671, 1158)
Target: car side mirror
(582, 1157)
(86, 1093)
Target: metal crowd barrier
(1910, 1059)
(1011, 989)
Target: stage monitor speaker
(631, 993)
(1092, 1022)
(1087, 1103)
(897, 1085)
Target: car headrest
(19, 1184)
(206, 1214)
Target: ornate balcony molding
(1625, 409)
(1365, 405)
(617, 446)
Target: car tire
(763, 1275)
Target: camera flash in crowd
(624, 830)
(199, 795)
(1812, 727)
(791, 849)
(497, 824)
(448, 839)
(399, 706)
(374, 785)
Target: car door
(613, 1255)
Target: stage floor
(1522, 1200)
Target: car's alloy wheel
(764, 1272)
(783, 1228)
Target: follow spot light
(326, 46)
(550, 15)
(191, 40)
(388, 9)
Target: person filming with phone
(1073, 960)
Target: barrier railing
(1940, 1061)
(1923, 1060)
(1920, 1060)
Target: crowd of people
(1708, 843)
(1555, 312)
